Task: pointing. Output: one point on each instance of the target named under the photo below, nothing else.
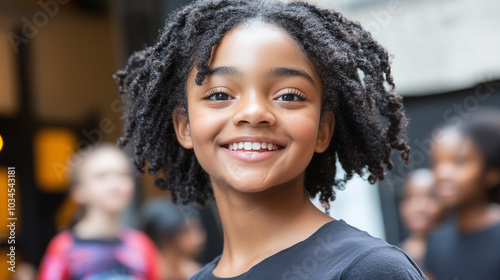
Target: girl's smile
(256, 121)
(252, 149)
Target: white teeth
(249, 146)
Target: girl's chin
(256, 179)
(246, 185)
(249, 187)
(449, 201)
(114, 209)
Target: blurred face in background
(420, 208)
(105, 182)
(190, 240)
(459, 169)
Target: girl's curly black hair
(483, 128)
(354, 70)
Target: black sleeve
(385, 262)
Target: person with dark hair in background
(420, 211)
(178, 234)
(238, 100)
(466, 163)
(99, 246)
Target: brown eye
(289, 97)
(221, 96)
(217, 95)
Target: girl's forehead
(245, 43)
(104, 159)
(452, 142)
(255, 48)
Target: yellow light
(52, 148)
(1, 142)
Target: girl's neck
(418, 235)
(98, 224)
(477, 216)
(258, 225)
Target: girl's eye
(292, 95)
(289, 97)
(460, 160)
(219, 96)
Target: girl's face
(190, 241)
(255, 122)
(106, 182)
(459, 170)
(420, 208)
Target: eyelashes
(216, 93)
(292, 94)
(286, 95)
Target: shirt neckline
(214, 263)
(110, 241)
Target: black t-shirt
(455, 255)
(335, 251)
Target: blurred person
(466, 163)
(99, 246)
(420, 211)
(178, 234)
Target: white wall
(358, 205)
(438, 45)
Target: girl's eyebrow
(225, 71)
(290, 72)
(274, 72)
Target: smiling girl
(252, 103)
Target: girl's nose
(254, 111)
(443, 171)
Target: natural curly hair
(354, 70)
(483, 128)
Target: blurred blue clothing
(452, 254)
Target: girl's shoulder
(137, 239)
(346, 252)
(61, 242)
(134, 234)
(345, 240)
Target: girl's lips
(253, 140)
(446, 189)
(251, 155)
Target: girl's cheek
(303, 128)
(205, 124)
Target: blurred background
(57, 95)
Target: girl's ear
(182, 128)
(325, 132)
